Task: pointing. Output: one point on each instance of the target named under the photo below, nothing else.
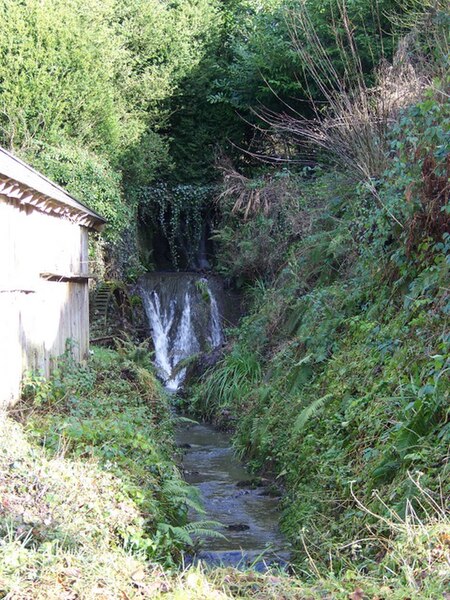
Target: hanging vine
(179, 212)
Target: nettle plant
(67, 379)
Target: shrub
(352, 117)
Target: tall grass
(230, 381)
(351, 121)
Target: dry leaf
(72, 572)
(358, 594)
(139, 575)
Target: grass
(337, 379)
(91, 504)
(90, 497)
(62, 524)
(70, 519)
(73, 525)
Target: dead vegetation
(432, 219)
(249, 197)
(350, 124)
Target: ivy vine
(179, 212)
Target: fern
(427, 413)
(178, 492)
(177, 534)
(194, 504)
(300, 373)
(310, 411)
(407, 439)
(204, 528)
(185, 534)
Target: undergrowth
(337, 380)
(89, 487)
(92, 507)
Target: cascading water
(215, 337)
(185, 312)
(184, 317)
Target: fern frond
(177, 533)
(195, 504)
(204, 528)
(310, 411)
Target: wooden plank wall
(38, 316)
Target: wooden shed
(44, 274)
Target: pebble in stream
(249, 516)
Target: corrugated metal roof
(20, 182)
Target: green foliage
(96, 73)
(90, 179)
(68, 378)
(180, 213)
(350, 397)
(62, 520)
(138, 354)
(264, 66)
(167, 43)
(86, 90)
(231, 380)
(263, 245)
(310, 411)
(115, 411)
(58, 73)
(143, 161)
(84, 532)
(410, 209)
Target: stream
(186, 312)
(248, 512)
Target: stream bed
(186, 313)
(245, 506)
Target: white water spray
(182, 321)
(215, 337)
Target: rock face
(185, 313)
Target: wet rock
(241, 493)
(238, 527)
(201, 363)
(209, 359)
(249, 483)
(184, 446)
(272, 492)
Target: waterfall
(161, 324)
(184, 318)
(216, 325)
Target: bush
(350, 395)
(89, 178)
(116, 413)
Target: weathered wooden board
(38, 316)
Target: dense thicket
(313, 138)
(337, 379)
(116, 97)
(86, 91)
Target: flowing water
(246, 508)
(185, 312)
